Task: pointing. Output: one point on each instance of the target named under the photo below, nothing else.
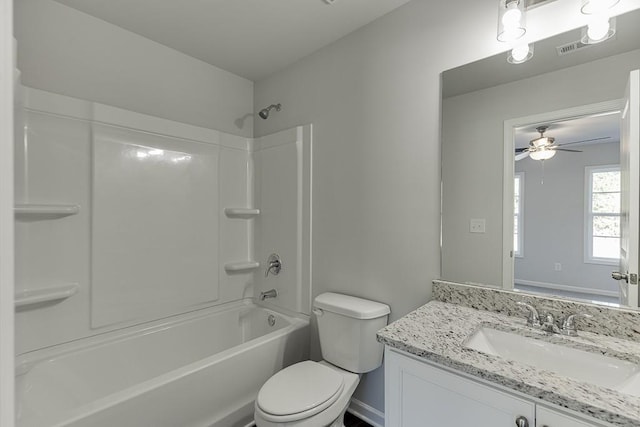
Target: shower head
(264, 113)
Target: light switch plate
(477, 225)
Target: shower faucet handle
(274, 265)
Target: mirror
(573, 89)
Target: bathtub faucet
(271, 293)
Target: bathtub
(202, 369)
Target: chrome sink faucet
(569, 324)
(544, 322)
(533, 319)
(547, 322)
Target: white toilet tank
(347, 327)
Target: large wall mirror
(511, 220)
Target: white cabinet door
(546, 417)
(420, 395)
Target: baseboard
(568, 288)
(366, 413)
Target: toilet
(317, 394)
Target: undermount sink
(605, 371)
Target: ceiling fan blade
(565, 149)
(521, 156)
(584, 140)
(521, 150)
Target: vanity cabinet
(547, 417)
(420, 394)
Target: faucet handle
(533, 319)
(274, 265)
(569, 324)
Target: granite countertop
(438, 331)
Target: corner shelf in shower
(245, 213)
(27, 298)
(238, 267)
(35, 212)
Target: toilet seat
(299, 391)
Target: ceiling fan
(544, 147)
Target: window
(602, 214)
(518, 193)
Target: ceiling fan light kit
(542, 154)
(544, 147)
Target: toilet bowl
(317, 394)
(307, 394)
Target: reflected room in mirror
(535, 192)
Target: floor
(352, 421)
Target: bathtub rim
(26, 361)
(108, 401)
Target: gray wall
(68, 52)
(554, 216)
(374, 100)
(472, 154)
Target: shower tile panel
(154, 230)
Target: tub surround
(438, 331)
(72, 230)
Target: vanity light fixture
(594, 7)
(600, 27)
(521, 53)
(511, 20)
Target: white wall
(373, 98)
(472, 169)
(65, 51)
(554, 217)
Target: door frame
(509, 169)
(7, 295)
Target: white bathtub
(203, 369)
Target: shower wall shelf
(32, 212)
(245, 213)
(236, 267)
(25, 299)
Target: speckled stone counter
(438, 331)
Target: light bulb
(511, 23)
(598, 29)
(519, 53)
(512, 17)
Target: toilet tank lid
(346, 305)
